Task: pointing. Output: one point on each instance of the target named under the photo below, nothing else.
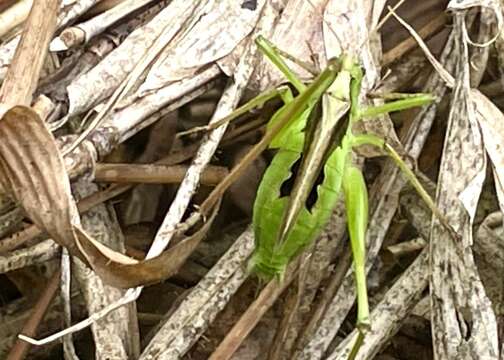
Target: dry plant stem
(191, 318)
(66, 14)
(84, 205)
(388, 315)
(103, 6)
(37, 254)
(24, 72)
(130, 295)
(84, 60)
(175, 95)
(337, 278)
(43, 106)
(253, 315)
(390, 183)
(81, 33)
(20, 348)
(154, 173)
(117, 336)
(8, 223)
(94, 199)
(69, 13)
(426, 32)
(101, 81)
(14, 315)
(116, 129)
(66, 276)
(169, 58)
(227, 102)
(407, 247)
(14, 16)
(315, 269)
(400, 299)
(149, 109)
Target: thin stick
(426, 32)
(253, 315)
(155, 173)
(81, 33)
(344, 263)
(21, 347)
(24, 71)
(14, 16)
(66, 279)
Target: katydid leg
(283, 91)
(356, 202)
(397, 105)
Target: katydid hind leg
(369, 139)
(356, 202)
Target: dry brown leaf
(121, 271)
(463, 321)
(32, 169)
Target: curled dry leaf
(32, 169)
(33, 172)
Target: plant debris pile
(114, 208)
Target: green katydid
(284, 225)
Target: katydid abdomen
(271, 257)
